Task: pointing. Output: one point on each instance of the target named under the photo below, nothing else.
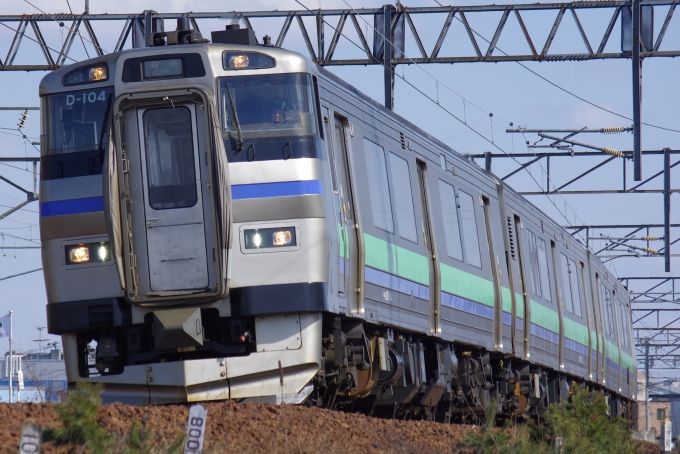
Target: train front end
(182, 222)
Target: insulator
(650, 238)
(24, 115)
(21, 124)
(650, 251)
(613, 152)
(613, 130)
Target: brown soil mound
(254, 428)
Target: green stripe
(466, 285)
(600, 345)
(519, 301)
(626, 361)
(545, 317)
(575, 331)
(396, 260)
(593, 338)
(507, 299)
(612, 352)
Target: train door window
(403, 198)
(575, 288)
(570, 285)
(622, 324)
(377, 184)
(538, 264)
(566, 283)
(608, 316)
(343, 175)
(331, 152)
(447, 200)
(170, 158)
(466, 208)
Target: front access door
(173, 205)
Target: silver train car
(231, 221)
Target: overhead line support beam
(637, 93)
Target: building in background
(39, 377)
(663, 407)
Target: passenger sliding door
(435, 298)
(348, 253)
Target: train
(226, 219)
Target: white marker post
(30, 439)
(195, 429)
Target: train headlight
(98, 73)
(270, 238)
(235, 60)
(88, 253)
(79, 254)
(282, 238)
(239, 61)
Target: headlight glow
(239, 61)
(257, 240)
(88, 253)
(79, 254)
(282, 238)
(235, 60)
(98, 73)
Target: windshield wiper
(239, 145)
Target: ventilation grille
(542, 227)
(403, 141)
(511, 237)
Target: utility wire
(81, 36)
(439, 82)
(67, 28)
(562, 88)
(457, 118)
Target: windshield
(76, 121)
(268, 105)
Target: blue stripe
(575, 346)
(73, 206)
(507, 318)
(397, 284)
(278, 189)
(612, 364)
(545, 334)
(519, 323)
(465, 305)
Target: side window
(447, 199)
(570, 285)
(403, 198)
(377, 184)
(622, 324)
(538, 261)
(469, 223)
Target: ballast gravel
(253, 428)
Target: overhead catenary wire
(81, 36)
(68, 28)
(37, 42)
(562, 88)
(437, 81)
(564, 215)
